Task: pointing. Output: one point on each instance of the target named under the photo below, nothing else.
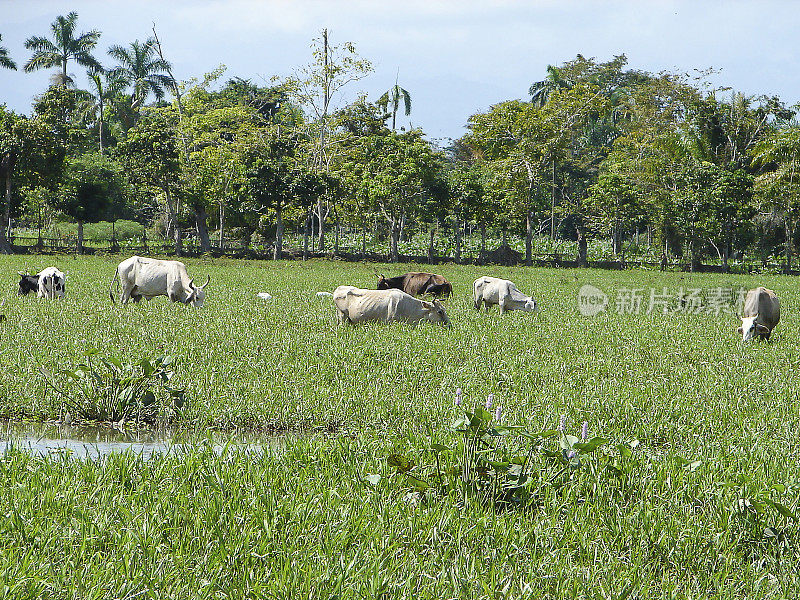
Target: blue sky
(455, 57)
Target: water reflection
(87, 441)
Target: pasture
(712, 425)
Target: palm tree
(5, 61)
(141, 67)
(104, 86)
(542, 90)
(392, 98)
(65, 47)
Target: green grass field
(713, 425)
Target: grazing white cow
(491, 290)
(51, 283)
(149, 277)
(760, 315)
(356, 305)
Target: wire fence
(346, 249)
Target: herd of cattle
(394, 300)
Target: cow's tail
(111, 287)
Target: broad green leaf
(591, 445)
(400, 462)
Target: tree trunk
(221, 227)
(363, 242)
(393, 241)
(789, 245)
(172, 215)
(725, 253)
(321, 214)
(336, 233)
(178, 233)
(529, 239)
(483, 242)
(458, 242)
(80, 237)
(582, 249)
(278, 252)
(200, 219)
(553, 205)
(306, 235)
(7, 164)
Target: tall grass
(712, 424)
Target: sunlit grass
(303, 524)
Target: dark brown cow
(417, 284)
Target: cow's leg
(502, 304)
(127, 292)
(478, 301)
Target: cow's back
(359, 305)
(765, 304)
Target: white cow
(760, 314)
(51, 283)
(149, 277)
(355, 305)
(491, 290)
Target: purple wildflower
(562, 424)
(585, 431)
(458, 398)
(489, 401)
(571, 454)
(498, 413)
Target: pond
(93, 441)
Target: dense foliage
(599, 151)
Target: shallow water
(93, 442)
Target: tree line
(596, 151)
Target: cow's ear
(427, 305)
(739, 329)
(762, 328)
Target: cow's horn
(208, 278)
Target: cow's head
(197, 295)
(59, 284)
(382, 283)
(435, 313)
(27, 283)
(530, 304)
(751, 328)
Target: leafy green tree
(777, 156)
(5, 59)
(92, 184)
(393, 173)
(613, 207)
(63, 48)
(30, 157)
(521, 142)
(278, 177)
(152, 159)
(314, 87)
(60, 109)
